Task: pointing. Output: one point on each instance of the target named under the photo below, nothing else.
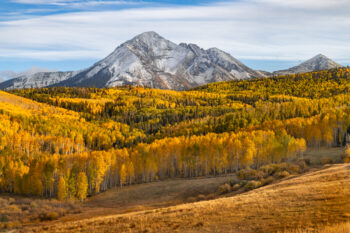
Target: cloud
(75, 3)
(249, 29)
(44, 2)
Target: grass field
(317, 201)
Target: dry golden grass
(314, 202)
(151, 195)
(16, 211)
(337, 228)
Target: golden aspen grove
(69, 143)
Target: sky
(264, 34)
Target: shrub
(252, 185)
(47, 216)
(236, 187)
(251, 174)
(303, 163)
(210, 196)
(268, 180)
(271, 169)
(62, 212)
(233, 182)
(33, 204)
(15, 208)
(293, 168)
(347, 159)
(225, 188)
(201, 197)
(282, 174)
(243, 183)
(13, 224)
(307, 162)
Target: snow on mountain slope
(150, 60)
(319, 62)
(36, 80)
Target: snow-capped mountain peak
(151, 60)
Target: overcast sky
(264, 34)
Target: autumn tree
(61, 189)
(82, 186)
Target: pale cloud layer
(248, 29)
(75, 3)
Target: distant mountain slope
(319, 62)
(148, 60)
(36, 80)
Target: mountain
(148, 60)
(42, 79)
(319, 62)
(10, 74)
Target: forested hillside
(80, 141)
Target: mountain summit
(148, 60)
(318, 62)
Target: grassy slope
(148, 196)
(320, 197)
